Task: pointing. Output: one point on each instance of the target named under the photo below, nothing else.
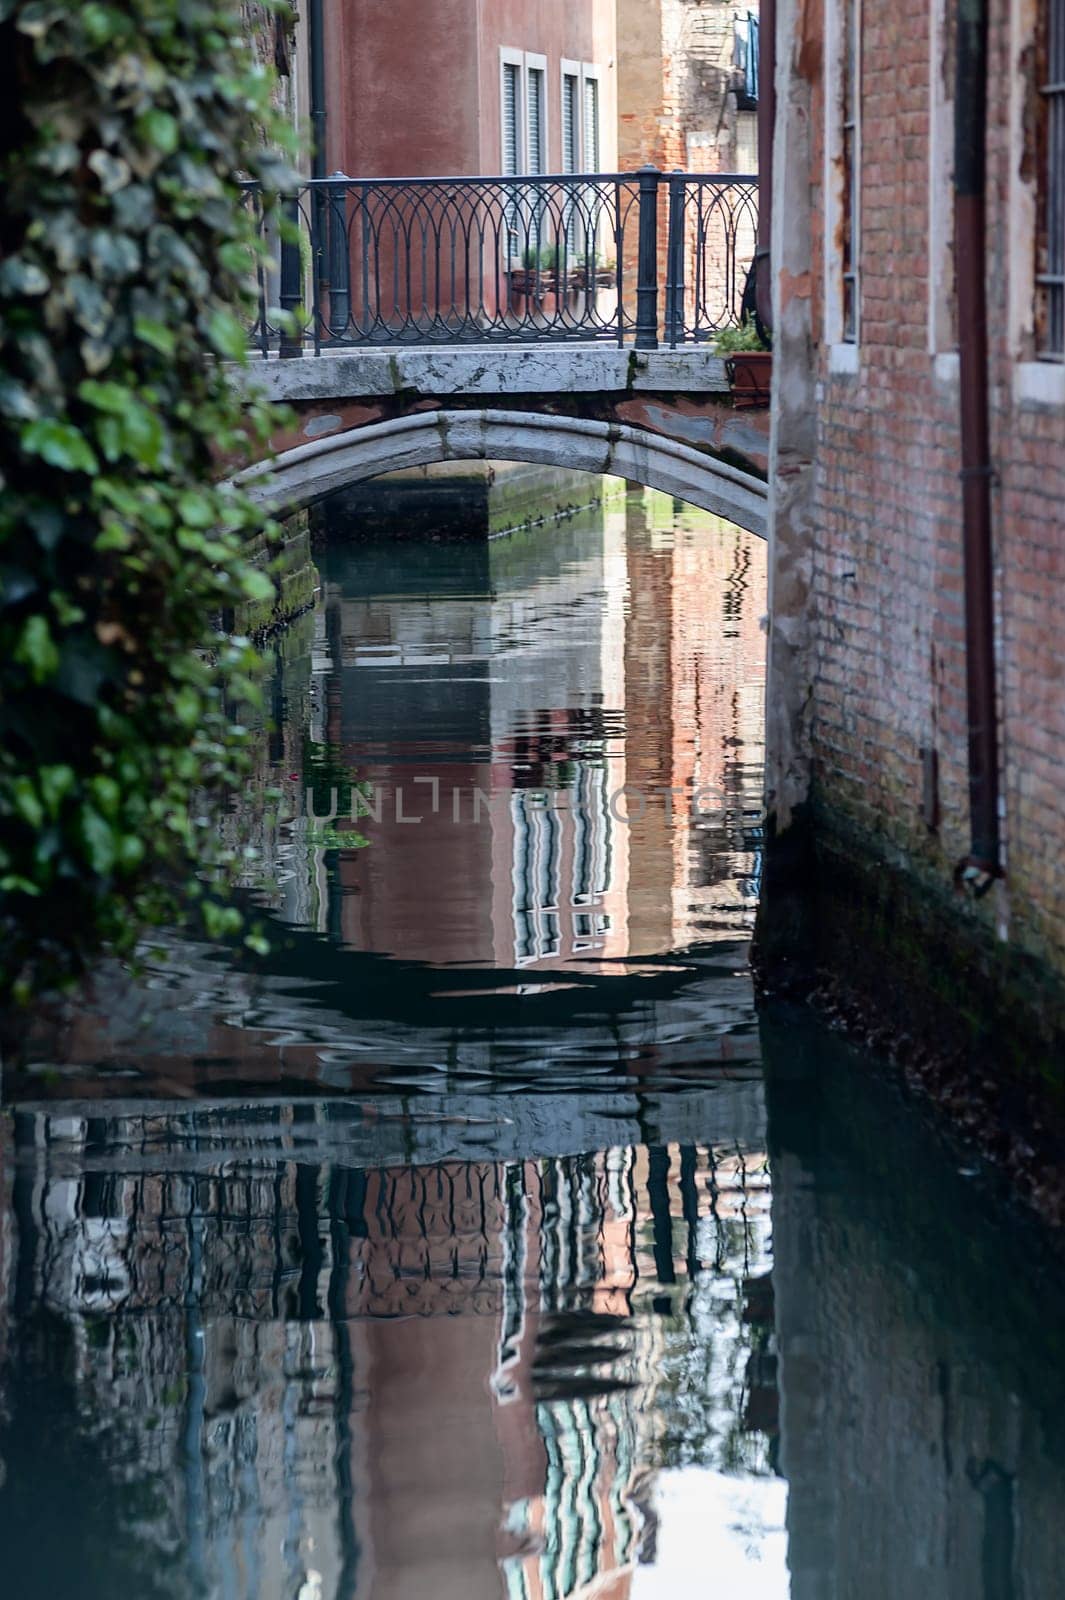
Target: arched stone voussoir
(308, 472)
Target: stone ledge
(483, 369)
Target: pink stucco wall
(402, 87)
(413, 86)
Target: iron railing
(645, 257)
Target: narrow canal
(482, 1239)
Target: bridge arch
(307, 472)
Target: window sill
(844, 358)
(1039, 383)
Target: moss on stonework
(915, 954)
(294, 574)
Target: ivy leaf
(159, 129)
(187, 707)
(60, 445)
(36, 18)
(23, 277)
(17, 401)
(36, 649)
(110, 397)
(156, 334)
(112, 171)
(26, 802)
(129, 853)
(97, 840)
(55, 783)
(227, 334)
(257, 586)
(113, 255)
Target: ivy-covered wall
(125, 258)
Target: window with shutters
(535, 98)
(512, 70)
(571, 136)
(591, 122)
(511, 118)
(1050, 257)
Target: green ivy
(125, 259)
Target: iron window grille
(1051, 279)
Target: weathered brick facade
(679, 92)
(883, 656)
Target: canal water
(482, 1239)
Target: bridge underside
(662, 418)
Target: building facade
(887, 604)
(688, 85)
(453, 89)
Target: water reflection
(432, 1254)
(536, 725)
(299, 1377)
(552, 745)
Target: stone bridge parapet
(660, 417)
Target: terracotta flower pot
(749, 376)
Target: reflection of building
(575, 715)
(372, 1383)
(578, 730)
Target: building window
(851, 154)
(942, 297)
(511, 117)
(571, 129)
(591, 122)
(536, 131)
(842, 184)
(1051, 254)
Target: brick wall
(677, 105)
(888, 649)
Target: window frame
(1049, 309)
(512, 58)
(1038, 382)
(842, 184)
(533, 62)
(570, 69)
(591, 72)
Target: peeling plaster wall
(792, 444)
(677, 105)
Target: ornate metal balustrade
(644, 257)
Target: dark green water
(482, 1240)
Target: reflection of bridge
(564, 321)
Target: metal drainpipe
(317, 43)
(767, 116)
(970, 131)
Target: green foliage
(126, 260)
(731, 341)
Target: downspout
(970, 248)
(317, 43)
(767, 117)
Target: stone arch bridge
(663, 418)
(563, 320)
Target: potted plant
(748, 362)
(534, 286)
(602, 273)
